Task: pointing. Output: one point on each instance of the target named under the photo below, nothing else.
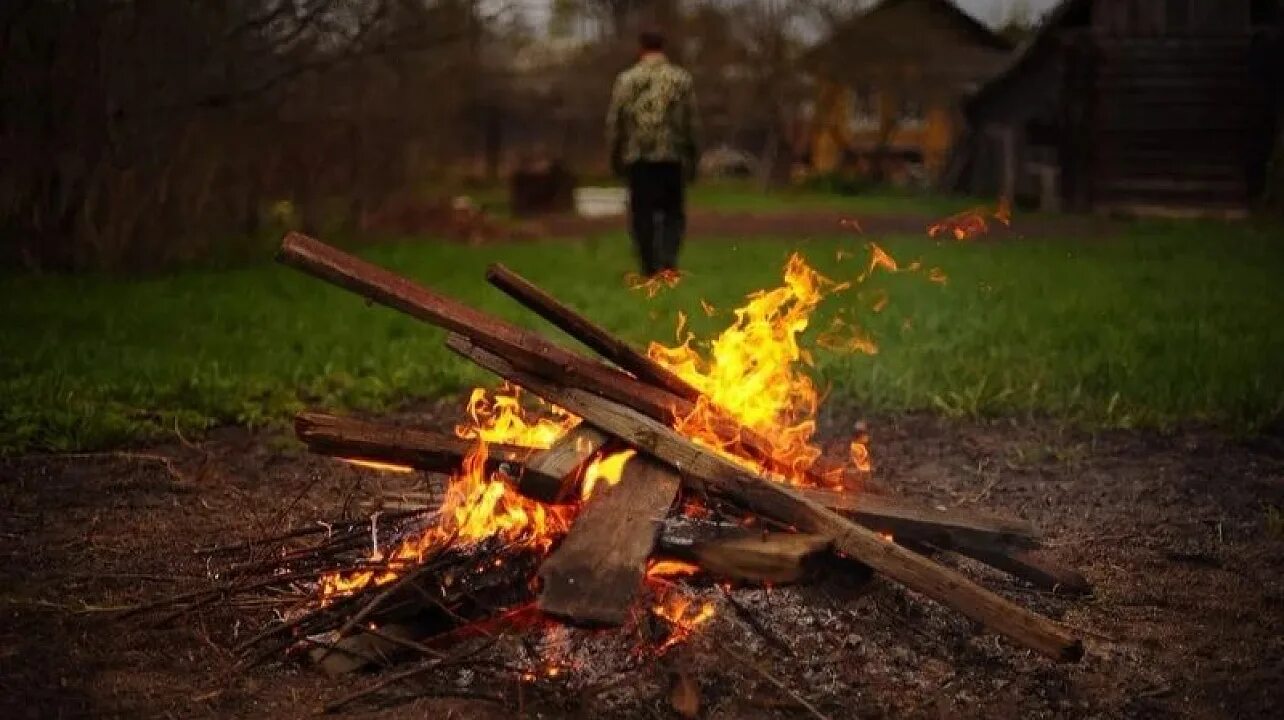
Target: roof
(1066, 14)
(936, 36)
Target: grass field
(1167, 324)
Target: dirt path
(815, 223)
(1188, 618)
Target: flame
(501, 418)
(477, 506)
(660, 569)
(683, 614)
(971, 223)
(752, 372)
(654, 284)
(376, 465)
(938, 276)
(609, 469)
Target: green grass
(1169, 324)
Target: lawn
(1170, 323)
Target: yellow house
(888, 88)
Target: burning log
(731, 552)
(550, 476)
(822, 471)
(596, 573)
(545, 475)
(704, 471)
(534, 352)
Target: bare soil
(818, 222)
(1175, 530)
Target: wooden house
(1142, 106)
(888, 85)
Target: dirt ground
(818, 223)
(1174, 530)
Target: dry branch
(707, 472)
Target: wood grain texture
(593, 577)
(706, 472)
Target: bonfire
(582, 493)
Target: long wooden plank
(548, 476)
(706, 472)
(593, 577)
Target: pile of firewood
(595, 575)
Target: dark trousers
(657, 213)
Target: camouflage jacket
(652, 115)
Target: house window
(864, 115)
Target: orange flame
(752, 371)
(477, 506)
(654, 284)
(659, 569)
(684, 616)
(971, 223)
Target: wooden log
(946, 529)
(704, 471)
(354, 439)
(533, 352)
(550, 476)
(586, 331)
(1031, 565)
(744, 555)
(593, 577)
(823, 470)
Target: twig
(404, 675)
(403, 642)
(737, 657)
(756, 625)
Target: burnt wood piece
(489, 332)
(353, 439)
(732, 552)
(618, 351)
(1032, 566)
(948, 529)
(557, 471)
(550, 476)
(703, 471)
(593, 577)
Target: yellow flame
(752, 371)
(501, 418)
(654, 284)
(684, 616)
(477, 506)
(606, 469)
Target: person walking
(650, 130)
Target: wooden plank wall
(1173, 121)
